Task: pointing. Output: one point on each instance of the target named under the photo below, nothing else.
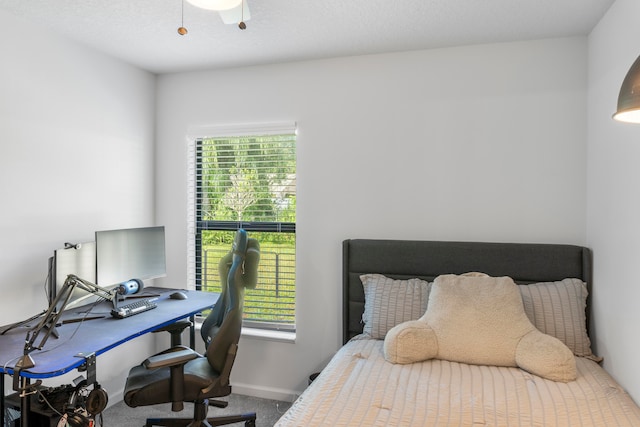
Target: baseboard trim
(265, 392)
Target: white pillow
(389, 302)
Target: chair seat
(152, 386)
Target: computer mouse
(178, 295)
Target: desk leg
(2, 407)
(25, 402)
(192, 332)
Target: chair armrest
(175, 329)
(174, 358)
(180, 325)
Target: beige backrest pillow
(479, 320)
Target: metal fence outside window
(272, 303)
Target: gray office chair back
(222, 328)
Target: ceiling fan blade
(237, 14)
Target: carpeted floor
(267, 412)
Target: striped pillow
(389, 302)
(558, 309)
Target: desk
(96, 336)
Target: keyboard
(133, 308)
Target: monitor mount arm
(52, 315)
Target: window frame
(197, 225)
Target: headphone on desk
(80, 411)
(97, 400)
(76, 419)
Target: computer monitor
(78, 259)
(133, 253)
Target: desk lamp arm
(99, 291)
(53, 313)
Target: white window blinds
(246, 181)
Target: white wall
(481, 143)
(76, 155)
(613, 220)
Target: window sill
(270, 335)
(264, 334)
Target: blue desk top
(60, 355)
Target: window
(249, 182)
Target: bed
(359, 387)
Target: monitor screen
(133, 253)
(78, 259)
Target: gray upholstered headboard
(525, 263)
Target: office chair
(179, 374)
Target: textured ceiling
(143, 32)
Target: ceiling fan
(231, 11)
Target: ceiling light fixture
(629, 98)
(215, 4)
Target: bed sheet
(359, 388)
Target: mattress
(359, 388)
